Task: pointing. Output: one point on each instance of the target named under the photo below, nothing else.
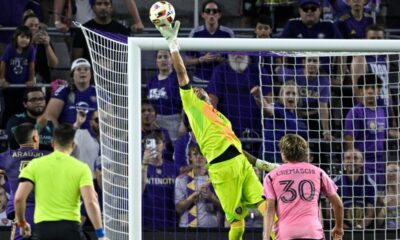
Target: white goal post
(137, 45)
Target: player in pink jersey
(293, 191)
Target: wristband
(21, 224)
(100, 233)
(266, 166)
(173, 45)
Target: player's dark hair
(375, 28)
(263, 19)
(21, 31)
(294, 148)
(369, 80)
(158, 135)
(64, 135)
(93, 2)
(210, 1)
(147, 102)
(23, 133)
(29, 90)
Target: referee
(59, 180)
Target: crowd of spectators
(264, 97)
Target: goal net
(337, 100)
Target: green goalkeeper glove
(170, 34)
(266, 166)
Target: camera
(151, 143)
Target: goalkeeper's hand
(265, 166)
(170, 34)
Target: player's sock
(237, 230)
(261, 207)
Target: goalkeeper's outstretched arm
(170, 34)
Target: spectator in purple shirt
(379, 65)
(158, 184)
(354, 23)
(46, 57)
(206, 61)
(17, 66)
(340, 7)
(13, 161)
(79, 97)
(150, 125)
(366, 128)
(11, 16)
(280, 119)
(315, 92)
(309, 25)
(229, 90)
(163, 93)
(357, 190)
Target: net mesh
(109, 61)
(318, 101)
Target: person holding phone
(76, 99)
(158, 184)
(46, 57)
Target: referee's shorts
(59, 230)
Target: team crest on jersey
(23, 164)
(239, 210)
(321, 35)
(300, 35)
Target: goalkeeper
(231, 174)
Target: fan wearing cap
(310, 25)
(74, 103)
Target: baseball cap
(304, 2)
(79, 62)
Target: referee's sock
(237, 230)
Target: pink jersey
(296, 188)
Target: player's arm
(22, 193)
(91, 202)
(269, 218)
(260, 164)
(170, 34)
(180, 69)
(337, 206)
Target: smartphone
(151, 143)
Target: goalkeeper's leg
(237, 229)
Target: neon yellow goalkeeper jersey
(213, 131)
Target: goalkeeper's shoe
(266, 166)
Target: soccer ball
(162, 13)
